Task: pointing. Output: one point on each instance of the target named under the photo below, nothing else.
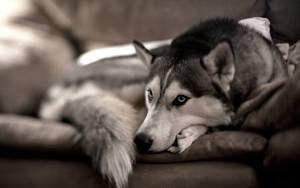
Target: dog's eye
(180, 100)
(149, 95)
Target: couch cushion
(284, 17)
(30, 60)
(208, 174)
(32, 56)
(283, 149)
(35, 173)
(123, 21)
(32, 135)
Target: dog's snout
(143, 142)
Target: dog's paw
(182, 144)
(186, 137)
(173, 149)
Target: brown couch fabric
(32, 55)
(49, 173)
(119, 22)
(284, 17)
(35, 135)
(122, 21)
(283, 149)
(32, 60)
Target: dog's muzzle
(143, 142)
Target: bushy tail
(108, 125)
(110, 156)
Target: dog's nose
(143, 142)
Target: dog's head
(184, 90)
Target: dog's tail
(108, 125)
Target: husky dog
(196, 82)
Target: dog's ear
(143, 53)
(219, 63)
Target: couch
(40, 40)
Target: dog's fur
(197, 82)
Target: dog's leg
(108, 126)
(186, 137)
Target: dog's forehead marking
(166, 78)
(154, 85)
(158, 84)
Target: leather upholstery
(49, 173)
